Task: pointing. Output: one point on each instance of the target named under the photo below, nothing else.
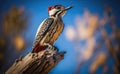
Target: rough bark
(36, 63)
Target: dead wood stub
(36, 63)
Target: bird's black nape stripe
(56, 13)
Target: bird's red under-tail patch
(39, 48)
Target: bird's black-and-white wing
(42, 30)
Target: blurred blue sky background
(38, 12)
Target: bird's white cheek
(52, 12)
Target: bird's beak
(67, 8)
(64, 10)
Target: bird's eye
(57, 7)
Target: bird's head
(58, 10)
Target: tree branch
(36, 63)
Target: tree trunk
(36, 63)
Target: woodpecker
(50, 29)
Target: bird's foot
(50, 47)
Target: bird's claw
(50, 46)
